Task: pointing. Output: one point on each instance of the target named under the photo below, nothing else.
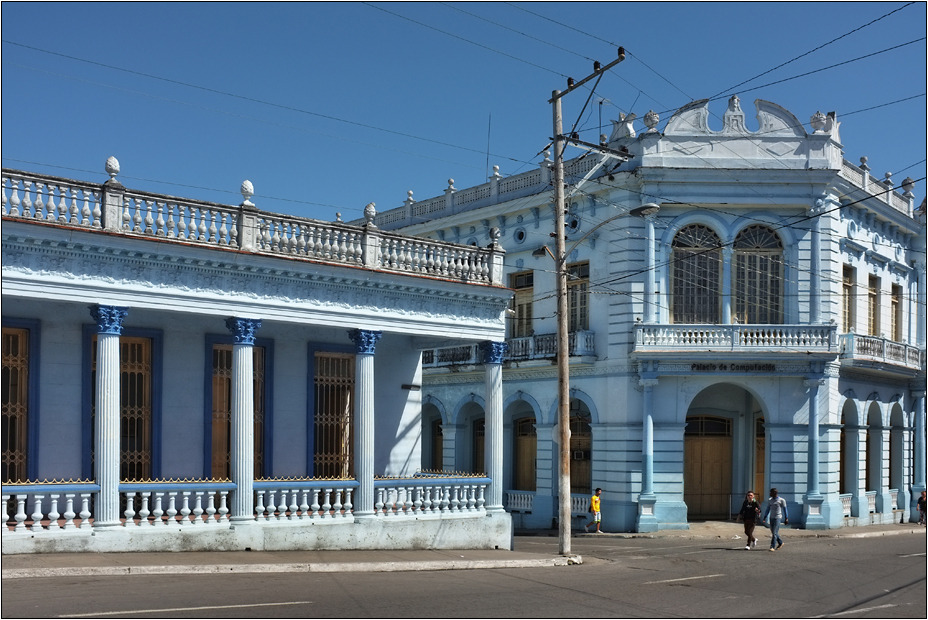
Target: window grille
(873, 306)
(334, 415)
(848, 301)
(696, 277)
(524, 451)
(520, 322)
(222, 411)
(15, 403)
(758, 276)
(895, 314)
(578, 296)
(135, 407)
(581, 453)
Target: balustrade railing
(814, 338)
(295, 500)
(420, 496)
(846, 500)
(539, 346)
(46, 507)
(175, 503)
(871, 501)
(520, 501)
(41, 198)
(874, 348)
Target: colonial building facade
(760, 323)
(182, 375)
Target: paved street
(668, 576)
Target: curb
(240, 569)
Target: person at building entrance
(921, 508)
(750, 513)
(776, 508)
(594, 510)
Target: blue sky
(328, 106)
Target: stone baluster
(223, 506)
(304, 503)
(185, 508)
(315, 507)
(85, 509)
(20, 516)
(327, 503)
(172, 508)
(198, 508)
(337, 504)
(129, 512)
(158, 511)
(37, 514)
(144, 512)
(86, 215)
(69, 512)
(210, 508)
(73, 211)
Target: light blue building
(182, 375)
(760, 323)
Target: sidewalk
(240, 562)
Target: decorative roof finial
(247, 190)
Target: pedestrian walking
(921, 508)
(749, 513)
(595, 511)
(776, 508)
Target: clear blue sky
(328, 106)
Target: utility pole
(563, 371)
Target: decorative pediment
(773, 120)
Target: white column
(815, 275)
(493, 353)
(727, 254)
(652, 308)
(242, 424)
(107, 415)
(365, 342)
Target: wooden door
(707, 476)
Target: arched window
(581, 451)
(523, 454)
(697, 273)
(758, 276)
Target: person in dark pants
(750, 513)
(776, 508)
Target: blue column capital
(493, 352)
(243, 330)
(365, 340)
(109, 318)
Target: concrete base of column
(647, 520)
(813, 518)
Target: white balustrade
(36, 509)
(187, 504)
(871, 501)
(291, 501)
(846, 500)
(416, 497)
(520, 501)
(736, 337)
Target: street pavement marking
(855, 611)
(149, 611)
(647, 583)
(911, 555)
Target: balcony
(751, 340)
(536, 347)
(857, 350)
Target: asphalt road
(628, 578)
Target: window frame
(32, 326)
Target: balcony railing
(539, 346)
(875, 349)
(736, 338)
(43, 199)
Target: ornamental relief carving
(163, 274)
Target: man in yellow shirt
(594, 509)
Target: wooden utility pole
(560, 258)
